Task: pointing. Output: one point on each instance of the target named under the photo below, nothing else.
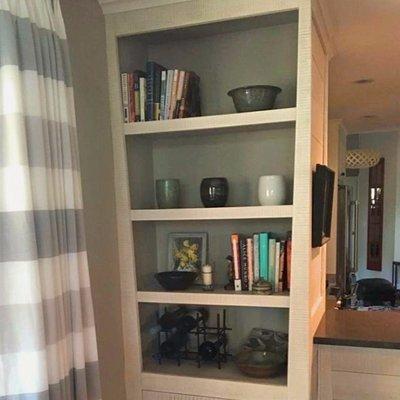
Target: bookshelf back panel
(151, 238)
(223, 59)
(239, 156)
(240, 319)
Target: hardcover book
(179, 91)
(264, 260)
(256, 256)
(163, 93)
(185, 93)
(168, 92)
(288, 260)
(277, 263)
(250, 262)
(136, 87)
(173, 94)
(142, 98)
(271, 261)
(153, 93)
(125, 97)
(244, 263)
(236, 262)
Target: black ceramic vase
(214, 192)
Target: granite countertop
(379, 329)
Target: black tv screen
(323, 185)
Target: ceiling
(366, 37)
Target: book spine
(256, 256)
(136, 89)
(288, 262)
(183, 106)
(277, 263)
(236, 262)
(125, 96)
(157, 91)
(271, 261)
(179, 91)
(131, 98)
(163, 93)
(150, 91)
(264, 243)
(250, 262)
(282, 266)
(142, 89)
(244, 264)
(173, 94)
(170, 78)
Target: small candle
(206, 272)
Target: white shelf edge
(188, 214)
(219, 298)
(214, 388)
(278, 116)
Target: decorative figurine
(229, 272)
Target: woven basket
(362, 158)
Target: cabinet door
(149, 395)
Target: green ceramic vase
(167, 193)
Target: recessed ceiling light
(364, 81)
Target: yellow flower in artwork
(186, 256)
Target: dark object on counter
(322, 192)
(375, 292)
(254, 98)
(214, 192)
(175, 280)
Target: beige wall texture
(86, 35)
(337, 162)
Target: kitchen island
(358, 355)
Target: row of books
(261, 257)
(158, 93)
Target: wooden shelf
(190, 214)
(218, 297)
(209, 381)
(280, 117)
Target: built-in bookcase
(258, 42)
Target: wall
(86, 34)
(336, 161)
(387, 144)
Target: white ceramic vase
(271, 190)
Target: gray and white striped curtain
(47, 335)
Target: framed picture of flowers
(187, 251)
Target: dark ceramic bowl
(261, 364)
(175, 280)
(254, 98)
(214, 192)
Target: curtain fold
(48, 344)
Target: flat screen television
(323, 185)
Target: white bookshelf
(226, 383)
(231, 45)
(218, 297)
(269, 119)
(218, 213)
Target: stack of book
(261, 257)
(158, 93)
